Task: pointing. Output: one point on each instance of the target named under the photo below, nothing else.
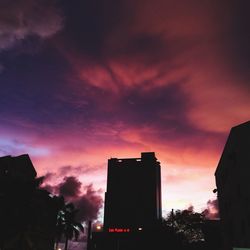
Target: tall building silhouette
(132, 209)
(232, 181)
(133, 195)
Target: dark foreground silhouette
(181, 230)
(31, 218)
(232, 181)
(133, 217)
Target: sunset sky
(83, 81)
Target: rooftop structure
(18, 167)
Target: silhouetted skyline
(84, 81)
(33, 217)
(133, 214)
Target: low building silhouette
(27, 213)
(232, 180)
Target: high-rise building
(133, 195)
(232, 180)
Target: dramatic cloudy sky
(82, 81)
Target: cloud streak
(147, 50)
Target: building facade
(132, 209)
(232, 181)
(133, 195)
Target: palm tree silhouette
(67, 225)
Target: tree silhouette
(186, 223)
(67, 225)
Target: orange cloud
(169, 43)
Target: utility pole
(89, 235)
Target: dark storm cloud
(157, 107)
(108, 48)
(20, 19)
(84, 25)
(137, 105)
(119, 46)
(33, 102)
(35, 97)
(89, 204)
(87, 200)
(238, 38)
(70, 187)
(103, 29)
(100, 25)
(151, 43)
